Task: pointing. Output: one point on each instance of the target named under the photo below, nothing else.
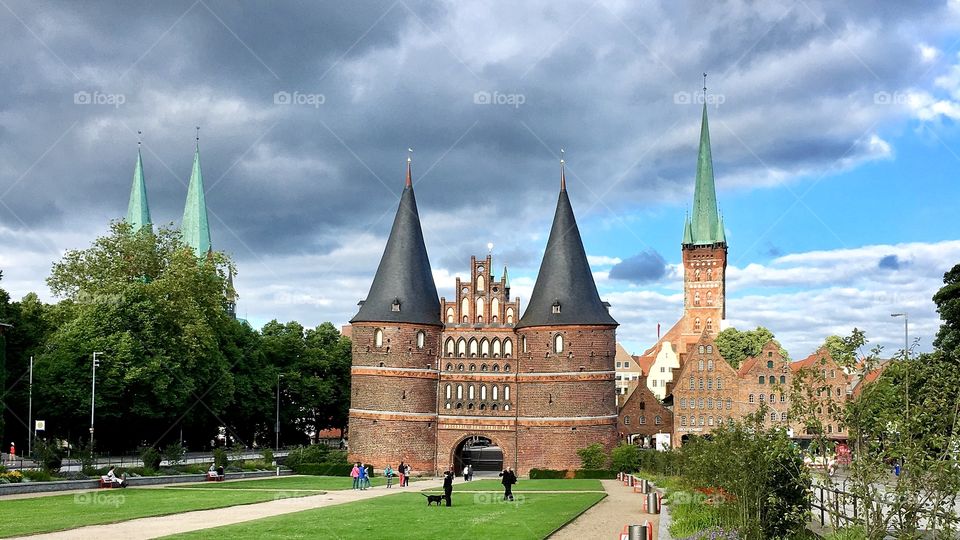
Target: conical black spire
(565, 293)
(403, 289)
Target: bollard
(649, 530)
(651, 506)
(644, 486)
(638, 532)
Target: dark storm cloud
(890, 262)
(485, 94)
(644, 267)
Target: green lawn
(406, 515)
(60, 512)
(324, 483)
(578, 484)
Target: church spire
(565, 292)
(138, 211)
(403, 289)
(195, 228)
(563, 173)
(705, 222)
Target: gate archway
(482, 453)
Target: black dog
(433, 499)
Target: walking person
(401, 472)
(355, 473)
(406, 476)
(509, 479)
(362, 477)
(368, 476)
(388, 474)
(448, 485)
(470, 473)
(466, 473)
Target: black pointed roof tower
(565, 293)
(403, 289)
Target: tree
(625, 458)
(156, 312)
(947, 300)
(593, 457)
(736, 346)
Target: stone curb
(74, 485)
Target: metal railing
(845, 508)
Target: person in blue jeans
(362, 478)
(368, 475)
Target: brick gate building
(429, 374)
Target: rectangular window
(618, 364)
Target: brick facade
(643, 417)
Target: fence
(848, 509)
(74, 465)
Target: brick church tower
(704, 249)
(566, 393)
(396, 342)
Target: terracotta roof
(645, 363)
(746, 366)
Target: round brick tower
(396, 339)
(566, 392)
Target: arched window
(643, 420)
(700, 383)
(465, 309)
(484, 348)
(761, 379)
(709, 274)
(480, 285)
(460, 367)
(480, 309)
(496, 348)
(459, 405)
(773, 417)
(483, 406)
(701, 349)
(657, 420)
(729, 404)
(700, 403)
(510, 315)
(473, 367)
(465, 321)
(506, 406)
(709, 383)
(450, 315)
(701, 420)
(683, 403)
(493, 407)
(507, 348)
(494, 308)
(558, 343)
(710, 403)
(506, 367)
(462, 348)
(420, 339)
(751, 398)
(761, 398)
(470, 392)
(769, 364)
(696, 274)
(450, 346)
(710, 365)
(506, 392)
(783, 379)
(496, 367)
(449, 367)
(378, 338)
(783, 417)
(709, 324)
(683, 420)
(719, 383)
(473, 347)
(523, 343)
(469, 406)
(448, 392)
(709, 349)
(696, 298)
(709, 420)
(691, 383)
(709, 298)
(495, 393)
(483, 367)
(696, 324)
(626, 420)
(483, 391)
(459, 392)
(700, 365)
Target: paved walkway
(608, 517)
(155, 527)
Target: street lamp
(906, 356)
(93, 396)
(276, 427)
(31, 432)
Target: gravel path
(155, 527)
(608, 517)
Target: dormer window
(556, 307)
(396, 305)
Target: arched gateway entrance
(479, 451)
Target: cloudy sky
(833, 124)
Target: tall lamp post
(93, 395)
(906, 356)
(276, 427)
(31, 432)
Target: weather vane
(561, 155)
(198, 134)
(139, 137)
(409, 154)
(704, 82)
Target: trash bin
(653, 503)
(638, 532)
(644, 486)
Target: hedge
(547, 474)
(599, 474)
(323, 469)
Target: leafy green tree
(735, 346)
(593, 457)
(156, 312)
(625, 458)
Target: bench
(106, 482)
(212, 476)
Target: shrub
(49, 455)
(323, 469)
(314, 453)
(593, 456)
(174, 453)
(268, 456)
(625, 458)
(547, 474)
(220, 457)
(37, 476)
(151, 458)
(598, 474)
(13, 477)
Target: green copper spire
(194, 227)
(138, 211)
(705, 222)
(687, 232)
